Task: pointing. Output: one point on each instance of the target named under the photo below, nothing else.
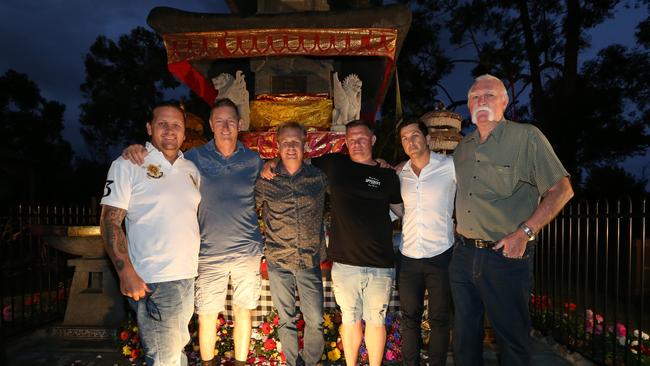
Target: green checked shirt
(501, 181)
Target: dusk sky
(48, 40)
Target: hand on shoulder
(135, 154)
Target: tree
(124, 79)
(613, 182)
(592, 113)
(35, 156)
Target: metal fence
(592, 281)
(35, 278)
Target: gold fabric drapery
(269, 111)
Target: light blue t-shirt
(227, 218)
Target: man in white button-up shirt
(428, 186)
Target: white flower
(645, 336)
(278, 346)
(621, 340)
(632, 345)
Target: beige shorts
(211, 285)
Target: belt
(477, 243)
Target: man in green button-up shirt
(503, 169)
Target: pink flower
(390, 356)
(276, 320)
(620, 330)
(7, 313)
(599, 318)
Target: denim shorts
(362, 292)
(212, 284)
(163, 317)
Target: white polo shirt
(161, 201)
(428, 227)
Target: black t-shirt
(361, 233)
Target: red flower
(282, 357)
(134, 353)
(60, 294)
(136, 339)
(300, 324)
(301, 343)
(570, 306)
(269, 345)
(267, 328)
(124, 335)
(276, 320)
(645, 349)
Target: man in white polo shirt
(428, 187)
(157, 258)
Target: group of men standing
(497, 177)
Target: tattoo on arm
(114, 236)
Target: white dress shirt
(428, 227)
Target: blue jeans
(309, 283)
(483, 280)
(163, 317)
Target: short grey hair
(292, 125)
(489, 77)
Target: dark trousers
(483, 280)
(414, 276)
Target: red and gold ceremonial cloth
(318, 143)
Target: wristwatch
(529, 232)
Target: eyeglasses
(152, 308)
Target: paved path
(42, 348)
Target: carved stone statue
(347, 100)
(234, 88)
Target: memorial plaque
(288, 84)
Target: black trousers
(414, 277)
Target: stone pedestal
(95, 306)
(95, 299)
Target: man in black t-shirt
(361, 244)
